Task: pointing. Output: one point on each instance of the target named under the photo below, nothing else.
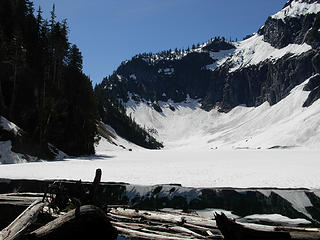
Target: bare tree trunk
(3, 106)
(13, 96)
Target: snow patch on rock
(296, 9)
(9, 126)
(255, 50)
(133, 76)
(219, 58)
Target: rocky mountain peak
(264, 67)
(298, 22)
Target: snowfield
(284, 125)
(296, 9)
(192, 168)
(265, 146)
(255, 50)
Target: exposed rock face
(314, 87)
(280, 33)
(201, 74)
(266, 81)
(169, 75)
(162, 80)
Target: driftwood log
(19, 226)
(144, 224)
(89, 222)
(232, 230)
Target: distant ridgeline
(266, 66)
(42, 87)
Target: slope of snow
(219, 58)
(116, 143)
(241, 128)
(9, 157)
(296, 9)
(6, 155)
(9, 126)
(254, 50)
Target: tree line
(42, 86)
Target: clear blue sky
(111, 31)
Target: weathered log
(235, 231)
(163, 230)
(186, 231)
(162, 225)
(144, 235)
(90, 223)
(19, 199)
(163, 217)
(200, 228)
(18, 227)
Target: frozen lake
(191, 168)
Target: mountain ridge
(261, 73)
(226, 82)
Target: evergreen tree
(74, 58)
(42, 86)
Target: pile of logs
(142, 224)
(43, 219)
(89, 219)
(232, 230)
(56, 215)
(85, 222)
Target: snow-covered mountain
(261, 92)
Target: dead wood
(90, 223)
(232, 230)
(18, 227)
(145, 235)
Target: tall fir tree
(40, 89)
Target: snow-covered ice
(192, 168)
